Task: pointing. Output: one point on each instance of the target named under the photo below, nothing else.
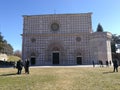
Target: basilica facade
(63, 39)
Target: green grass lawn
(74, 78)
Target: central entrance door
(33, 61)
(79, 60)
(55, 58)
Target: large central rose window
(55, 26)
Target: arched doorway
(55, 52)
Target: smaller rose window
(33, 40)
(78, 39)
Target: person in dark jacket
(115, 65)
(19, 66)
(93, 63)
(27, 66)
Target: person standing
(107, 65)
(115, 65)
(93, 63)
(19, 66)
(27, 66)
(110, 63)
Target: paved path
(62, 66)
(70, 66)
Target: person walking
(27, 66)
(115, 65)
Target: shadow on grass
(108, 72)
(10, 74)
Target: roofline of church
(60, 14)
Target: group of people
(115, 64)
(101, 63)
(20, 65)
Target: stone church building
(63, 39)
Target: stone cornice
(78, 14)
(46, 35)
(107, 35)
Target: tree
(17, 53)
(5, 47)
(1, 37)
(99, 28)
(115, 40)
(1, 42)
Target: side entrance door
(33, 61)
(79, 60)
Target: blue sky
(105, 12)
